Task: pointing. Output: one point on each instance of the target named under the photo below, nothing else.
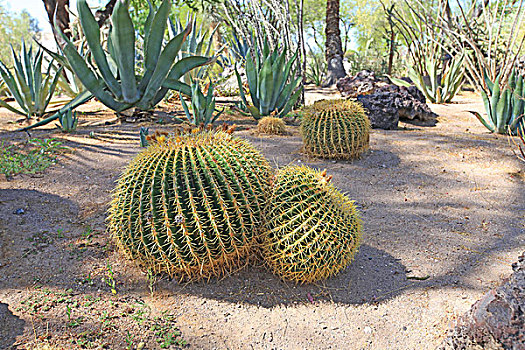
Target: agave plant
(31, 89)
(505, 105)
(239, 48)
(268, 74)
(444, 79)
(203, 107)
(316, 68)
(143, 134)
(195, 45)
(68, 121)
(114, 81)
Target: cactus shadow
(11, 327)
(374, 276)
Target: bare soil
(443, 206)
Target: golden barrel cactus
(337, 129)
(191, 205)
(313, 231)
(271, 126)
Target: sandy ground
(443, 208)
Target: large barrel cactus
(191, 205)
(313, 231)
(335, 129)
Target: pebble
(19, 211)
(368, 330)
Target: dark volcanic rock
(390, 103)
(363, 83)
(497, 321)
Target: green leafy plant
(268, 74)
(31, 89)
(505, 105)
(68, 121)
(313, 231)
(444, 78)
(437, 69)
(316, 67)
(110, 279)
(39, 155)
(335, 129)
(199, 43)
(202, 107)
(114, 81)
(191, 205)
(143, 133)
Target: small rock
(19, 211)
(368, 330)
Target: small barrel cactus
(271, 125)
(336, 129)
(191, 205)
(313, 231)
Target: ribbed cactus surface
(335, 129)
(313, 231)
(271, 126)
(191, 205)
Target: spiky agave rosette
(191, 205)
(335, 129)
(313, 231)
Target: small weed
(110, 279)
(152, 280)
(140, 314)
(166, 333)
(36, 157)
(129, 340)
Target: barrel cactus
(271, 126)
(335, 129)
(191, 205)
(312, 230)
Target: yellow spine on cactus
(313, 231)
(336, 129)
(191, 205)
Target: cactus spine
(313, 230)
(271, 126)
(191, 205)
(335, 129)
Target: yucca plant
(114, 81)
(445, 79)
(272, 83)
(505, 105)
(191, 205)
(202, 107)
(68, 121)
(312, 230)
(31, 89)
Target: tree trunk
(333, 51)
(58, 9)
